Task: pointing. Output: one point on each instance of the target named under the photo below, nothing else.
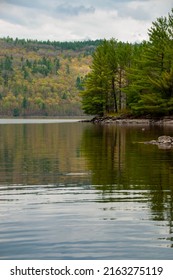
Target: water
(72, 190)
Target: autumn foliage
(42, 78)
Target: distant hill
(43, 77)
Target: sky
(78, 20)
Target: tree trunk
(120, 86)
(114, 95)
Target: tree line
(133, 78)
(88, 45)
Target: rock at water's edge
(165, 139)
(163, 142)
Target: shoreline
(125, 121)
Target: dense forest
(94, 77)
(43, 77)
(135, 79)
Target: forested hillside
(43, 78)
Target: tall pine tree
(95, 96)
(151, 78)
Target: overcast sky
(67, 20)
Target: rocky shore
(131, 121)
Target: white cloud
(61, 20)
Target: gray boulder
(163, 142)
(165, 139)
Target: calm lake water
(72, 190)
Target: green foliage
(104, 85)
(150, 88)
(16, 112)
(87, 46)
(24, 103)
(79, 83)
(139, 76)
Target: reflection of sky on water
(76, 222)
